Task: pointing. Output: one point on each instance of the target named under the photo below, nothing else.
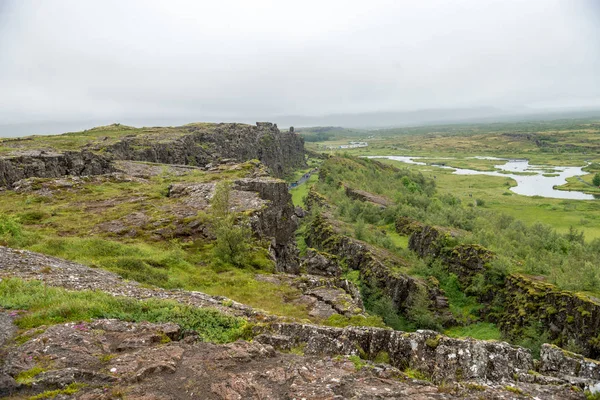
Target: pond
(532, 184)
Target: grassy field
(494, 191)
(552, 143)
(111, 224)
(300, 192)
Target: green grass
(27, 377)
(49, 306)
(174, 266)
(100, 137)
(481, 330)
(69, 224)
(300, 192)
(69, 390)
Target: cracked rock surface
(114, 358)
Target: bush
(232, 231)
(596, 180)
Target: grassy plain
(552, 143)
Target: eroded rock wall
(439, 357)
(279, 151)
(377, 267)
(276, 219)
(570, 319)
(42, 164)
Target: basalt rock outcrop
(431, 241)
(268, 203)
(377, 268)
(321, 263)
(109, 359)
(435, 356)
(276, 220)
(406, 226)
(362, 195)
(51, 165)
(201, 145)
(204, 144)
(570, 319)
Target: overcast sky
(64, 60)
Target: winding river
(527, 185)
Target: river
(527, 185)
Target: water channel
(533, 184)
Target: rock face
(153, 361)
(266, 200)
(571, 319)
(406, 226)
(197, 145)
(320, 263)
(430, 241)
(435, 356)
(202, 145)
(362, 195)
(377, 268)
(438, 357)
(555, 361)
(51, 165)
(276, 220)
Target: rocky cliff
(51, 165)
(568, 319)
(202, 145)
(377, 268)
(266, 200)
(276, 220)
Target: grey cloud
(113, 60)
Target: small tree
(596, 180)
(231, 230)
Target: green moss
(382, 357)
(416, 374)
(433, 343)
(104, 358)
(67, 391)
(28, 377)
(358, 362)
(514, 390)
(474, 386)
(298, 350)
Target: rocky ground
(110, 359)
(322, 296)
(114, 359)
